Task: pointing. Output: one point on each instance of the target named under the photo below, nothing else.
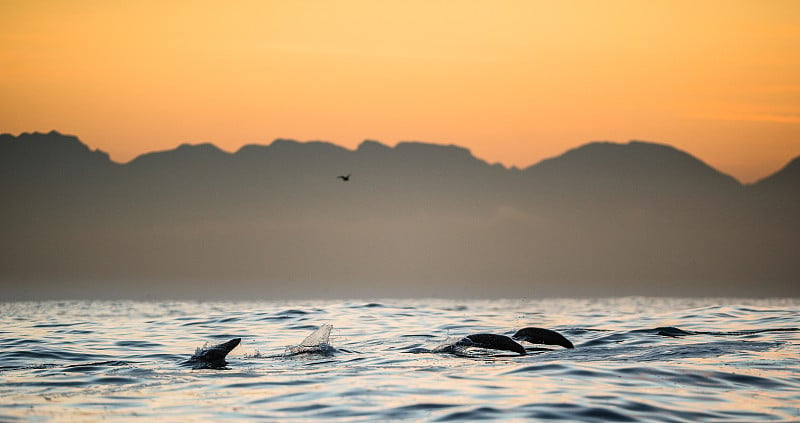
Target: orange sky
(514, 81)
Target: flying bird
(344, 177)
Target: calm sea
(84, 361)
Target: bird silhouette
(344, 177)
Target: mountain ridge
(601, 219)
(279, 144)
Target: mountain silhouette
(785, 181)
(775, 199)
(49, 150)
(416, 219)
(645, 170)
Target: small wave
(479, 413)
(302, 327)
(114, 380)
(292, 312)
(32, 367)
(613, 339)
(19, 342)
(757, 382)
(100, 365)
(57, 325)
(678, 332)
(701, 350)
(540, 368)
(75, 332)
(456, 308)
(369, 305)
(198, 322)
(136, 344)
(644, 336)
(702, 379)
(287, 314)
(604, 414)
(48, 354)
(303, 408)
(418, 335)
(747, 331)
(424, 407)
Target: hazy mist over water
(414, 220)
(635, 359)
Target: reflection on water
(732, 360)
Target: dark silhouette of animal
(504, 343)
(491, 341)
(213, 357)
(542, 336)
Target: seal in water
(213, 357)
(542, 336)
(492, 342)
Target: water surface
(635, 359)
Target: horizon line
(394, 146)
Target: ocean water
(736, 360)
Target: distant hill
(776, 198)
(415, 219)
(31, 157)
(51, 149)
(645, 170)
(783, 182)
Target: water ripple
(636, 359)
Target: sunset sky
(514, 81)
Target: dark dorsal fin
(212, 357)
(218, 352)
